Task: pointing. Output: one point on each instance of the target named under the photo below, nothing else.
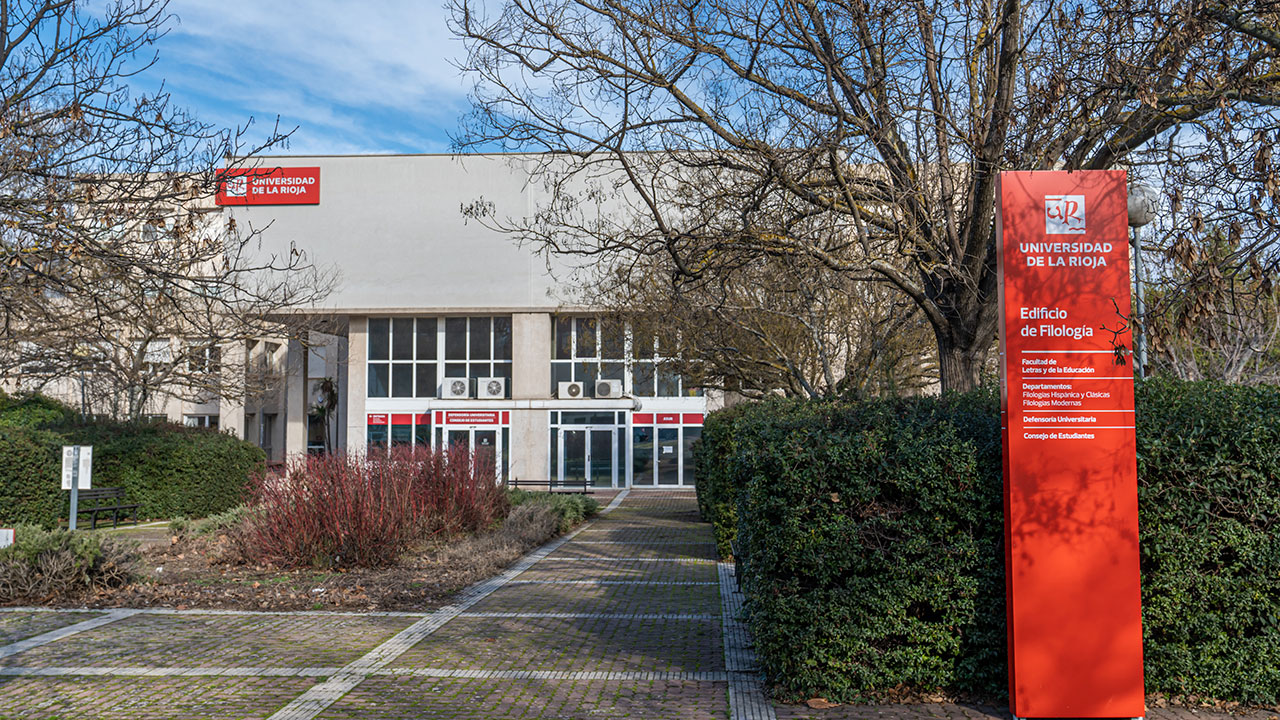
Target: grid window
(588, 349)
(409, 357)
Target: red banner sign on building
(1070, 473)
(471, 417)
(269, 186)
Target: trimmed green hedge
(871, 537)
(169, 470)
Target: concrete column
(531, 356)
(530, 380)
(341, 375)
(530, 445)
(356, 386)
(231, 411)
(295, 400)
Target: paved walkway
(629, 616)
(623, 618)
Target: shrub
(1209, 502)
(30, 471)
(366, 511)
(169, 470)
(46, 563)
(570, 510)
(222, 522)
(717, 473)
(32, 411)
(872, 533)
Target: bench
(105, 500)
(551, 485)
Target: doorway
(482, 442)
(587, 455)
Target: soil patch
(201, 572)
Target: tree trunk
(960, 368)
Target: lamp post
(1142, 210)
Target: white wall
(393, 227)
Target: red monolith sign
(1070, 473)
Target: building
(445, 333)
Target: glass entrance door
(668, 456)
(573, 457)
(484, 443)
(587, 455)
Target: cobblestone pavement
(620, 619)
(630, 616)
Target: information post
(1070, 472)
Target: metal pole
(75, 486)
(1140, 309)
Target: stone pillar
(295, 400)
(231, 411)
(356, 386)
(531, 356)
(342, 376)
(530, 380)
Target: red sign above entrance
(1070, 473)
(269, 186)
(471, 417)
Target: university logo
(1064, 214)
(237, 186)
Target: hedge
(169, 470)
(871, 536)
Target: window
(267, 433)
(202, 421)
(589, 349)
(410, 357)
(156, 356)
(204, 358)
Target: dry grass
(482, 556)
(203, 570)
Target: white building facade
(444, 333)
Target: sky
(376, 80)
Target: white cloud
(366, 77)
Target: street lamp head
(1142, 205)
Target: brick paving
(598, 644)
(142, 698)
(413, 697)
(17, 626)
(631, 616)
(218, 641)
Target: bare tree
(1214, 320)
(885, 120)
(780, 324)
(112, 261)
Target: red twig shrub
(347, 510)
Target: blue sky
(354, 78)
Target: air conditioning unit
(455, 388)
(494, 388)
(571, 391)
(608, 388)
